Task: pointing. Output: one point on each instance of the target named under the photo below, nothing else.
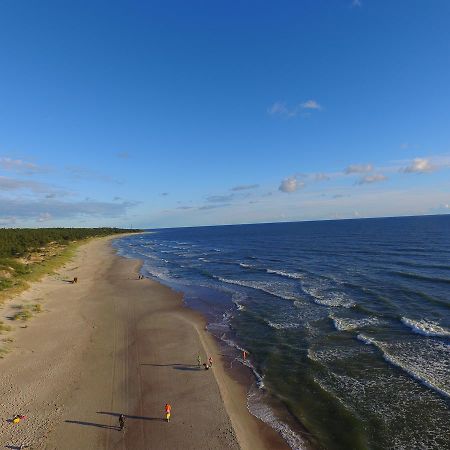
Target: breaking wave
(426, 327)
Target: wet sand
(113, 344)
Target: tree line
(17, 242)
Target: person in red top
(168, 409)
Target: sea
(346, 323)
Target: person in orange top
(168, 409)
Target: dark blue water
(347, 322)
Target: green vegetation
(24, 314)
(26, 255)
(19, 242)
(4, 328)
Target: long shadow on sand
(92, 424)
(192, 367)
(128, 416)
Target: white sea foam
(426, 361)
(283, 325)
(246, 266)
(294, 275)
(366, 339)
(330, 298)
(347, 324)
(270, 288)
(259, 409)
(426, 327)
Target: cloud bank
(419, 165)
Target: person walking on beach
(168, 410)
(121, 422)
(244, 355)
(199, 361)
(210, 361)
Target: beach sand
(113, 344)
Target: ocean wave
(420, 277)
(257, 407)
(329, 298)
(294, 275)
(366, 339)
(426, 362)
(259, 378)
(246, 266)
(426, 327)
(268, 288)
(347, 324)
(283, 325)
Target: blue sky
(175, 113)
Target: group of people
(167, 412)
(206, 365)
(168, 408)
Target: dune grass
(4, 328)
(20, 275)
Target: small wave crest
(347, 324)
(269, 288)
(282, 325)
(329, 298)
(294, 275)
(426, 327)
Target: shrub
(4, 327)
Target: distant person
(75, 279)
(168, 410)
(121, 422)
(210, 361)
(244, 355)
(17, 418)
(199, 361)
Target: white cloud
(375, 178)
(281, 109)
(419, 165)
(220, 198)
(11, 184)
(321, 177)
(291, 184)
(44, 217)
(18, 165)
(23, 209)
(358, 168)
(310, 104)
(244, 187)
(278, 108)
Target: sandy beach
(113, 344)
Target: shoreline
(102, 347)
(271, 415)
